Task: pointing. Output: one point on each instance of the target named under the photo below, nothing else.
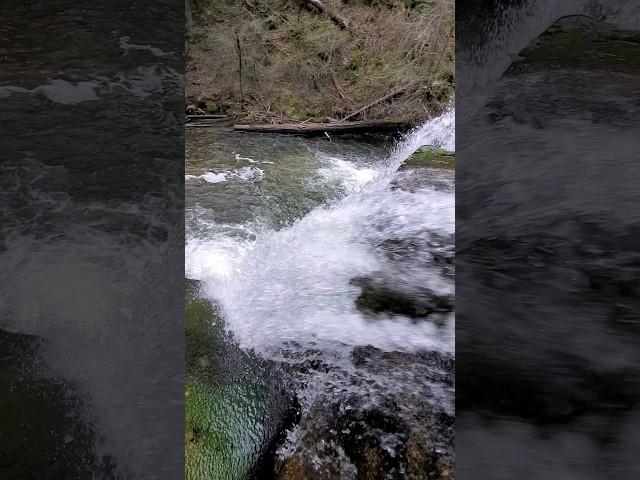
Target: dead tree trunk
(331, 13)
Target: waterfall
(295, 284)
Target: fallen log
(332, 14)
(322, 128)
(205, 117)
(220, 122)
(205, 124)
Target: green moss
(431, 157)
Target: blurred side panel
(547, 240)
(91, 239)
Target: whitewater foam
(346, 173)
(243, 174)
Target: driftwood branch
(338, 19)
(380, 100)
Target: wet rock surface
(380, 295)
(428, 167)
(380, 414)
(431, 249)
(413, 179)
(366, 430)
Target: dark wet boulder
(379, 296)
(376, 360)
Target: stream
(330, 271)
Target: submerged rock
(224, 431)
(235, 403)
(408, 285)
(423, 252)
(413, 179)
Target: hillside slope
(283, 60)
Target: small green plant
(297, 34)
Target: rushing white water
(294, 284)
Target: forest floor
(276, 61)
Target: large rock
(390, 417)
(380, 295)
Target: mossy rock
(430, 157)
(581, 42)
(233, 404)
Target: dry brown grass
(298, 65)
